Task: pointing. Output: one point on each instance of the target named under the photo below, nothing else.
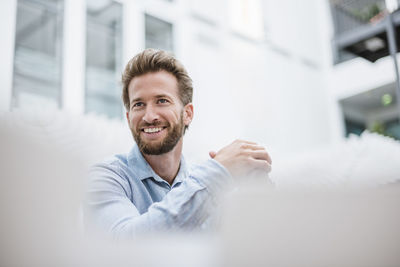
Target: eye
(162, 101)
(138, 105)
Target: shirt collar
(144, 171)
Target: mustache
(154, 124)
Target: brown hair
(152, 60)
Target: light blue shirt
(126, 197)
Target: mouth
(153, 130)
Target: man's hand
(242, 158)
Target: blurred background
(274, 72)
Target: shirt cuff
(213, 175)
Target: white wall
(273, 90)
(359, 75)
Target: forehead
(152, 84)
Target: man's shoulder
(117, 164)
(120, 159)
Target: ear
(188, 114)
(127, 117)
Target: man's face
(156, 116)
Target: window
(103, 58)
(158, 34)
(246, 18)
(375, 110)
(38, 49)
(353, 127)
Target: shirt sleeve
(109, 208)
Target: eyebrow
(136, 100)
(163, 95)
(157, 96)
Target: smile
(153, 130)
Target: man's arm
(184, 207)
(108, 207)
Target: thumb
(212, 154)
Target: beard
(175, 133)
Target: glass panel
(38, 47)
(158, 34)
(375, 110)
(353, 127)
(103, 58)
(392, 128)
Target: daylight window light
(391, 5)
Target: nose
(151, 114)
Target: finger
(212, 154)
(253, 147)
(260, 155)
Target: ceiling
(370, 100)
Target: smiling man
(151, 188)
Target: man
(151, 188)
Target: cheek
(133, 120)
(171, 115)
(176, 115)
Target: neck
(167, 164)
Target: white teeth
(152, 130)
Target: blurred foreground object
(368, 160)
(349, 228)
(43, 160)
(40, 191)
